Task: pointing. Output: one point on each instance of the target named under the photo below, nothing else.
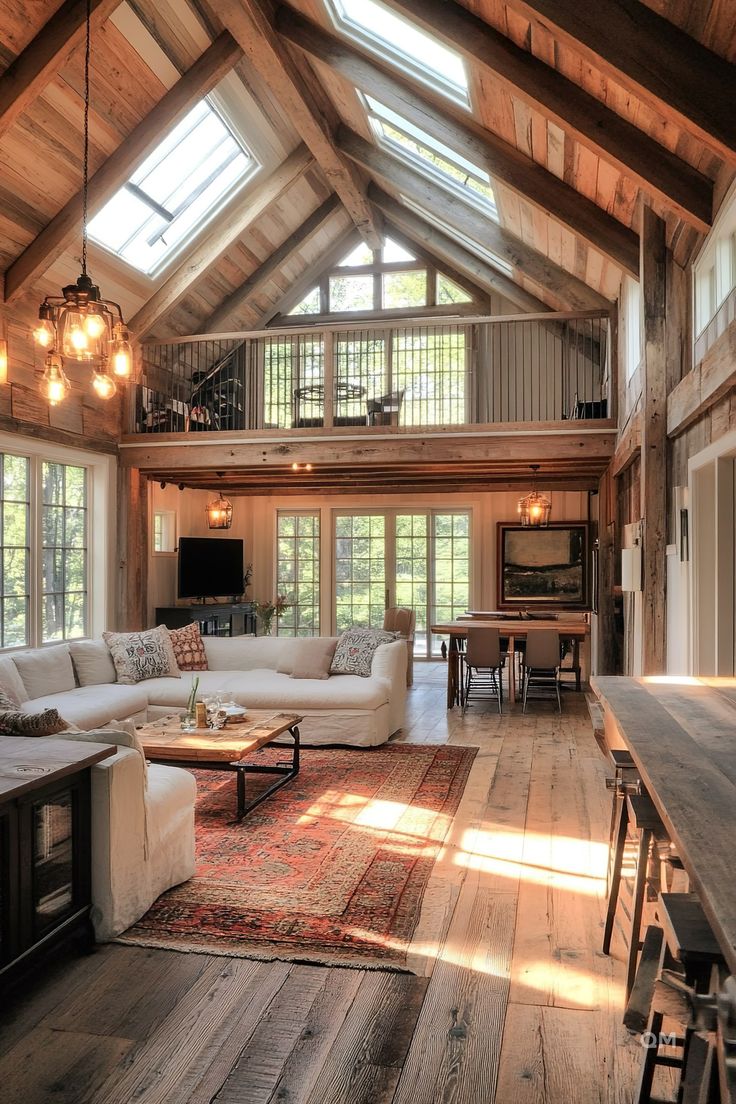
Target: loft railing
(537, 368)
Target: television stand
(215, 618)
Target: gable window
(179, 187)
(632, 325)
(431, 156)
(400, 41)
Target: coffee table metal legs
(285, 771)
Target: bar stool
(638, 810)
(688, 941)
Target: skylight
(178, 188)
(401, 41)
(431, 156)
(470, 244)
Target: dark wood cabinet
(217, 619)
(45, 848)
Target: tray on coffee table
(164, 741)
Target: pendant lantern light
(219, 513)
(534, 508)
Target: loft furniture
(215, 618)
(385, 410)
(45, 848)
(541, 666)
(402, 620)
(312, 396)
(226, 750)
(483, 663)
(516, 630)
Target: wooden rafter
(649, 55)
(251, 27)
(238, 299)
(446, 249)
(655, 168)
(48, 246)
(452, 125)
(572, 292)
(37, 65)
(231, 225)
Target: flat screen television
(210, 567)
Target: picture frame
(545, 566)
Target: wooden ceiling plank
(37, 65)
(217, 60)
(254, 283)
(652, 57)
(569, 289)
(233, 222)
(250, 25)
(660, 172)
(452, 125)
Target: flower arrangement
(266, 611)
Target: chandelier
(80, 325)
(219, 513)
(534, 508)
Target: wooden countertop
(682, 735)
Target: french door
(418, 558)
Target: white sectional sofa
(79, 680)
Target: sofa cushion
(142, 655)
(46, 670)
(355, 650)
(92, 662)
(188, 648)
(313, 658)
(93, 706)
(14, 722)
(247, 653)
(10, 681)
(267, 689)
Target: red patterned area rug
(330, 869)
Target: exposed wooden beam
(654, 441)
(48, 246)
(249, 23)
(628, 447)
(446, 248)
(452, 125)
(660, 172)
(571, 291)
(652, 57)
(37, 65)
(311, 276)
(232, 223)
(707, 383)
(239, 297)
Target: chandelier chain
(85, 169)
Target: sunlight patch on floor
(563, 862)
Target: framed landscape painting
(543, 567)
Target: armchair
(385, 409)
(402, 620)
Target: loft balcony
(483, 396)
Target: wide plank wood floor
(510, 1001)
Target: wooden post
(654, 441)
(132, 581)
(607, 651)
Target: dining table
(513, 629)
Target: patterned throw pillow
(15, 723)
(142, 655)
(189, 648)
(355, 649)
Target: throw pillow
(142, 655)
(355, 650)
(313, 658)
(15, 723)
(92, 662)
(189, 648)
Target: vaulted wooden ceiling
(578, 113)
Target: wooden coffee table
(225, 749)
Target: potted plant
(267, 611)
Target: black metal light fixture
(80, 325)
(219, 513)
(534, 508)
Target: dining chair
(483, 663)
(402, 619)
(541, 664)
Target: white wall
(254, 519)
